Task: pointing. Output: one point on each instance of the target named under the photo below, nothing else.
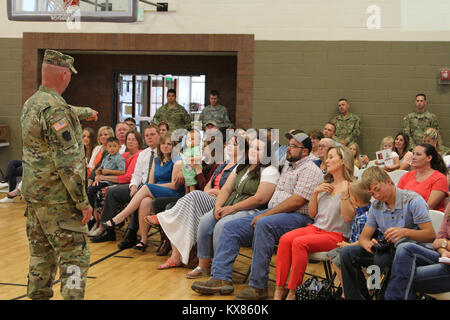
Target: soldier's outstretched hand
(93, 117)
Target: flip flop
(169, 264)
(198, 272)
(151, 220)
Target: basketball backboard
(87, 10)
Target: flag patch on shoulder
(60, 125)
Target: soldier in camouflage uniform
(174, 114)
(415, 123)
(215, 113)
(346, 123)
(54, 184)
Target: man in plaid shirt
(288, 210)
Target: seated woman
(89, 142)
(432, 136)
(203, 174)
(248, 189)
(102, 135)
(332, 212)
(180, 223)
(161, 184)
(401, 143)
(417, 269)
(429, 177)
(356, 156)
(133, 142)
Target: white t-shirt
(269, 174)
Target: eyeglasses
(293, 146)
(322, 146)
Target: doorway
(139, 95)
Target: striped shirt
(300, 178)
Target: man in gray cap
(54, 185)
(287, 210)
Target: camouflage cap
(59, 59)
(211, 122)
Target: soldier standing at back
(416, 123)
(215, 113)
(174, 114)
(346, 123)
(54, 185)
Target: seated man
(288, 210)
(121, 131)
(401, 215)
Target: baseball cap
(301, 137)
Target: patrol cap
(211, 122)
(300, 137)
(59, 59)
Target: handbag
(315, 289)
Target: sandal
(15, 193)
(140, 246)
(152, 220)
(106, 226)
(169, 264)
(198, 272)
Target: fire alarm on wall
(444, 77)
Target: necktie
(150, 166)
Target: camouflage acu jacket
(53, 155)
(347, 128)
(217, 114)
(177, 117)
(415, 124)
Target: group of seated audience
(312, 200)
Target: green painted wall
(11, 97)
(297, 84)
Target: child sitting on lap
(191, 155)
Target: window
(140, 95)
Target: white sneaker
(92, 230)
(96, 232)
(6, 200)
(4, 185)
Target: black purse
(315, 289)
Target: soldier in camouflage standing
(346, 123)
(54, 185)
(416, 123)
(174, 114)
(215, 113)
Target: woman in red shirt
(429, 177)
(133, 141)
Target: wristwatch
(444, 244)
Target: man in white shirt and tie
(119, 195)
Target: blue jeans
(209, 231)
(266, 233)
(416, 269)
(352, 259)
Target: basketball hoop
(61, 10)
